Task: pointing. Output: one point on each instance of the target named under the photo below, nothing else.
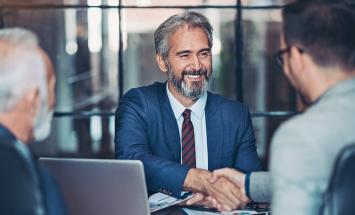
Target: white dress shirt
(198, 120)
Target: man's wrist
(189, 183)
(195, 180)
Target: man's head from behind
(23, 84)
(183, 46)
(317, 35)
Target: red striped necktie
(188, 140)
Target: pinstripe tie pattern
(188, 140)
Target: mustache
(202, 71)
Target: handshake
(223, 189)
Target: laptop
(97, 186)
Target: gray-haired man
(27, 100)
(180, 131)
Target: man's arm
(132, 142)
(222, 190)
(247, 159)
(259, 188)
(255, 186)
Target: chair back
(340, 196)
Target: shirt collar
(198, 108)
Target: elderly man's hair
(21, 66)
(19, 36)
(325, 29)
(167, 28)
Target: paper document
(160, 201)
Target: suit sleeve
(247, 159)
(132, 142)
(16, 184)
(260, 187)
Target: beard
(42, 125)
(196, 88)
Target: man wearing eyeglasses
(180, 131)
(318, 58)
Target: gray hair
(21, 66)
(168, 27)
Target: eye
(184, 56)
(205, 54)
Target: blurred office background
(102, 48)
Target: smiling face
(189, 62)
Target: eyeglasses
(278, 55)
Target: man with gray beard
(27, 100)
(180, 131)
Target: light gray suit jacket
(260, 189)
(304, 150)
(303, 153)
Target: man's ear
(161, 63)
(32, 98)
(297, 60)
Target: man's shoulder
(223, 103)
(318, 121)
(9, 155)
(143, 98)
(147, 91)
(7, 141)
(303, 134)
(319, 127)
(291, 128)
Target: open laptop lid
(98, 186)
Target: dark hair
(324, 29)
(169, 26)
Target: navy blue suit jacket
(147, 130)
(17, 186)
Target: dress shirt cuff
(247, 184)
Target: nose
(196, 64)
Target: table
(179, 210)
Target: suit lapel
(215, 135)
(171, 129)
